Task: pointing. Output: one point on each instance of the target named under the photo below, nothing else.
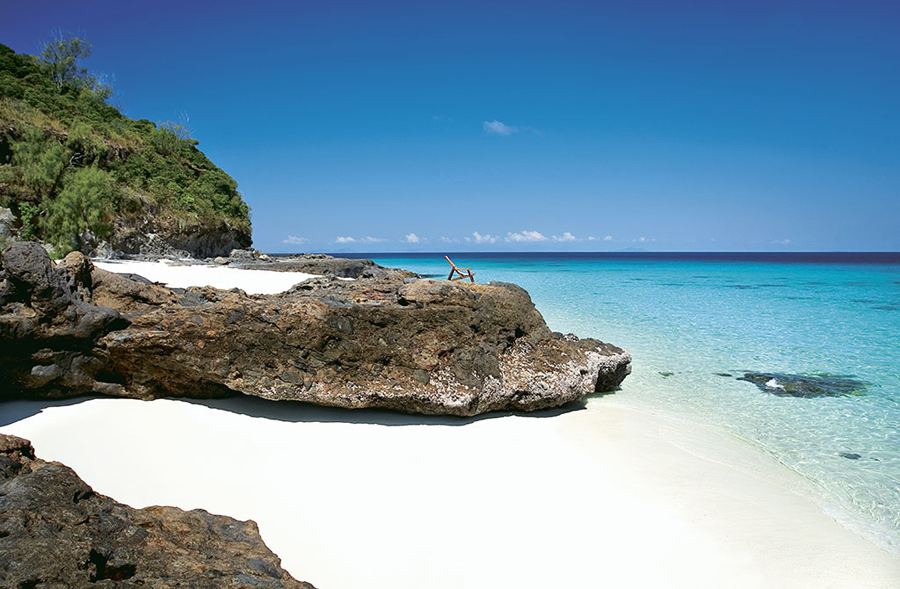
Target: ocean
(798, 354)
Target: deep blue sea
(696, 323)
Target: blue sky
(423, 126)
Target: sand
(606, 496)
(182, 276)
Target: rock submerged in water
(798, 385)
(55, 531)
(850, 455)
(382, 340)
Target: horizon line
(565, 252)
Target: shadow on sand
(295, 412)
(19, 409)
(289, 411)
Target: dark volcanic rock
(420, 346)
(432, 347)
(47, 331)
(145, 236)
(326, 265)
(55, 531)
(798, 385)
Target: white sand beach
(606, 496)
(176, 275)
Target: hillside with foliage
(76, 172)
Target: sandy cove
(604, 496)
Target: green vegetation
(72, 166)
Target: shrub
(27, 213)
(86, 196)
(40, 160)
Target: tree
(85, 198)
(61, 59)
(40, 160)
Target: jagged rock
(320, 264)
(7, 222)
(47, 330)
(420, 346)
(150, 236)
(430, 347)
(55, 531)
(79, 268)
(243, 255)
(128, 293)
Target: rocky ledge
(55, 531)
(385, 340)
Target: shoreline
(610, 493)
(375, 498)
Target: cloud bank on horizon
(524, 238)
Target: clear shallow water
(696, 322)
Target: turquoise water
(695, 323)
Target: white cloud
(782, 242)
(411, 238)
(638, 240)
(524, 236)
(498, 128)
(367, 239)
(294, 240)
(607, 238)
(479, 238)
(445, 239)
(565, 237)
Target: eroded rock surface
(55, 532)
(321, 264)
(48, 333)
(386, 340)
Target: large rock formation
(389, 341)
(322, 264)
(147, 236)
(55, 531)
(48, 333)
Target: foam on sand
(607, 496)
(175, 275)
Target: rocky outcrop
(147, 236)
(327, 265)
(48, 333)
(55, 531)
(320, 264)
(390, 341)
(7, 223)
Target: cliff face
(148, 235)
(55, 531)
(386, 340)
